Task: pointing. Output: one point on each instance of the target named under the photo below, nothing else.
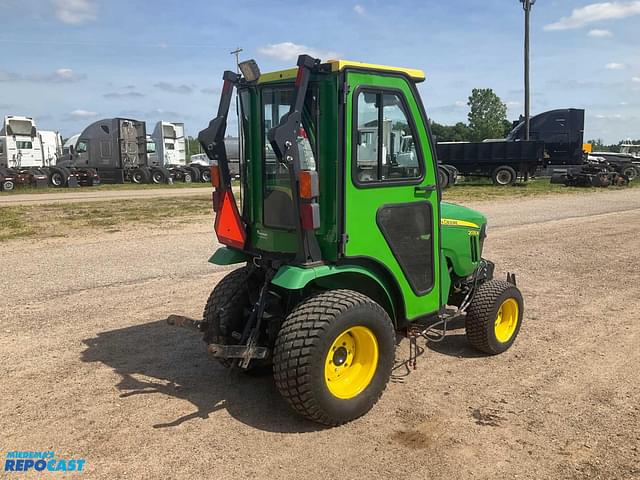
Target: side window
(385, 147)
(82, 147)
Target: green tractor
(339, 245)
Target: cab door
(391, 200)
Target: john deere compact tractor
(339, 245)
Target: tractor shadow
(455, 344)
(156, 358)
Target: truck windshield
(22, 145)
(20, 127)
(276, 101)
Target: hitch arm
(212, 137)
(284, 141)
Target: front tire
(494, 317)
(333, 356)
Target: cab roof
(339, 65)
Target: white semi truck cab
(22, 146)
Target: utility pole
(236, 52)
(526, 5)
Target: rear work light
(309, 190)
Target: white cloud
(615, 66)
(61, 75)
(82, 114)
(598, 33)
(288, 51)
(359, 9)
(635, 79)
(514, 104)
(75, 12)
(460, 103)
(596, 12)
(173, 88)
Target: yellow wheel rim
(506, 320)
(351, 362)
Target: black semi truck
(556, 140)
(117, 149)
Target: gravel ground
(90, 369)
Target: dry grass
(54, 220)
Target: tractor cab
(339, 223)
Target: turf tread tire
(482, 312)
(299, 340)
(225, 306)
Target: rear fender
(352, 277)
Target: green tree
(487, 114)
(451, 133)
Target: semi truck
(117, 149)
(29, 156)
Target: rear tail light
(310, 216)
(309, 190)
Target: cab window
(385, 146)
(24, 145)
(82, 147)
(276, 102)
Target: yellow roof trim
(337, 65)
(279, 75)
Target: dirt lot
(89, 368)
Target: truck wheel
(158, 176)
(195, 174)
(224, 311)
(630, 172)
(504, 175)
(494, 316)
(443, 178)
(140, 176)
(58, 177)
(205, 175)
(7, 185)
(333, 356)
(187, 178)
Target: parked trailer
(117, 149)
(28, 157)
(502, 161)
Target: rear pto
(340, 246)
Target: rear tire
(195, 174)
(140, 176)
(224, 311)
(631, 172)
(494, 317)
(158, 176)
(205, 176)
(8, 185)
(504, 175)
(333, 356)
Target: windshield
(276, 102)
(20, 127)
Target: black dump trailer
(117, 149)
(501, 160)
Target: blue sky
(69, 62)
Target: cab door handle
(425, 189)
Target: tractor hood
(463, 231)
(458, 216)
